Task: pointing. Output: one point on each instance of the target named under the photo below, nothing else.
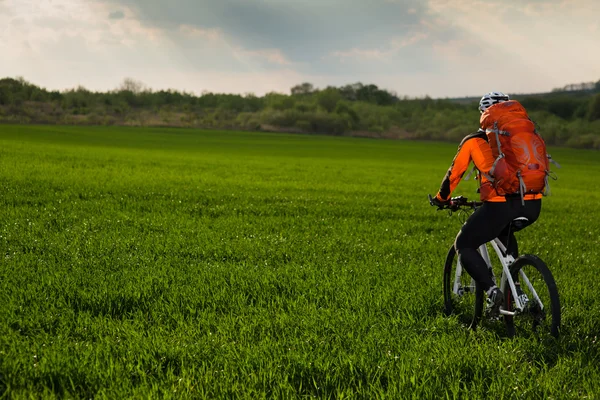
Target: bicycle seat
(519, 223)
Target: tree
(303, 89)
(349, 92)
(131, 85)
(372, 94)
(329, 98)
(16, 91)
(342, 108)
(278, 101)
(594, 110)
(252, 103)
(233, 102)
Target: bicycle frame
(505, 280)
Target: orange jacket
(474, 147)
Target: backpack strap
(500, 157)
(549, 174)
(497, 132)
(474, 169)
(522, 187)
(552, 160)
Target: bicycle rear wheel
(462, 295)
(541, 314)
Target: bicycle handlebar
(456, 203)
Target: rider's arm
(473, 148)
(481, 154)
(457, 169)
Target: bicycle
(531, 297)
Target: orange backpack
(522, 164)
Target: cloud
(544, 40)
(77, 45)
(195, 32)
(392, 48)
(116, 15)
(521, 47)
(305, 31)
(274, 56)
(414, 47)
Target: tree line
(566, 116)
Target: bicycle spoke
(461, 296)
(540, 314)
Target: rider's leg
(530, 211)
(485, 224)
(507, 237)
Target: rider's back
(520, 158)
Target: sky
(415, 48)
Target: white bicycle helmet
(491, 98)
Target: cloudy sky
(440, 48)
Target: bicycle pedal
(493, 312)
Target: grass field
(146, 263)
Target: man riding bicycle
(493, 219)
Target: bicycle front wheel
(462, 295)
(538, 293)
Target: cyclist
(493, 219)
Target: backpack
(521, 163)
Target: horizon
(144, 88)
(412, 48)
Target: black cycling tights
(488, 222)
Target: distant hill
(569, 116)
(574, 89)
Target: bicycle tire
(470, 299)
(544, 284)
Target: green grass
(182, 263)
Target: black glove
(434, 201)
